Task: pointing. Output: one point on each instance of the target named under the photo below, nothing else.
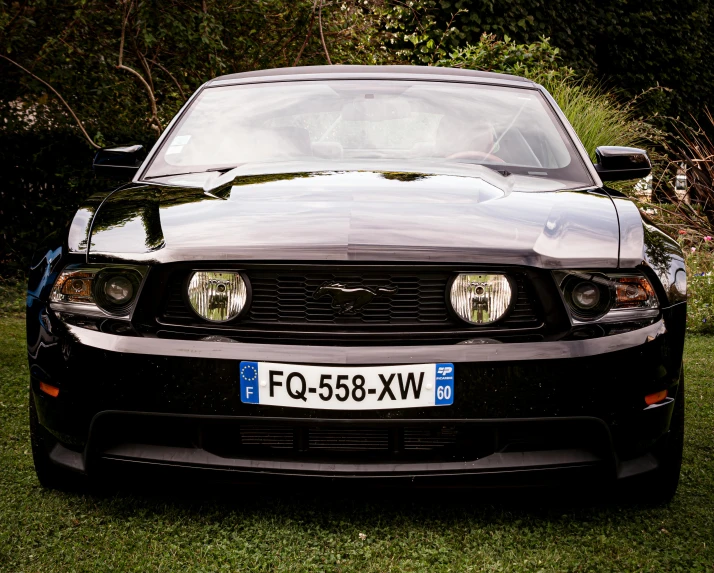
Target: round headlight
(115, 289)
(218, 296)
(118, 289)
(586, 295)
(481, 299)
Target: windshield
(366, 122)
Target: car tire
(50, 475)
(661, 485)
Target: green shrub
(597, 116)
(537, 60)
(632, 45)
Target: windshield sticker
(181, 140)
(174, 149)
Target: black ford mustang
(342, 272)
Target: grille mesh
(348, 439)
(289, 298)
(277, 437)
(341, 439)
(280, 298)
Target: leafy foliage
(125, 67)
(700, 306)
(631, 45)
(538, 60)
(597, 116)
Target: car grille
(336, 438)
(281, 298)
(346, 441)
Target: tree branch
(145, 65)
(309, 34)
(121, 66)
(322, 36)
(54, 91)
(446, 32)
(168, 73)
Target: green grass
(229, 530)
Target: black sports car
(340, 272)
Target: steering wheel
(490, 157)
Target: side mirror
(119, 162)
(620, 163)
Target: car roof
(370, 72)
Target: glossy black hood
(358, 216)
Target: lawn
(239, 530)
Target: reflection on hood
(360, 216)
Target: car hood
(358, 216)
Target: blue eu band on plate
(347, 388)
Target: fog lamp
(481, 298)
(218, 296)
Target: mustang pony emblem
(350, 300)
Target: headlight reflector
(218, 296)
(481, 298)
(634, 292)
(73, 286)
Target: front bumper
(525, 409)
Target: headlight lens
(218, 296)
(115, 290)
(97, 290)
(593, 296)
(586, 295)
(481, 298)
(119, 289)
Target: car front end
(347, 311)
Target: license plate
(347, 388)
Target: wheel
(661, 485)
(50, 476)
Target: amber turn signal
(656, 397)
(49, 389)
(633, 291)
